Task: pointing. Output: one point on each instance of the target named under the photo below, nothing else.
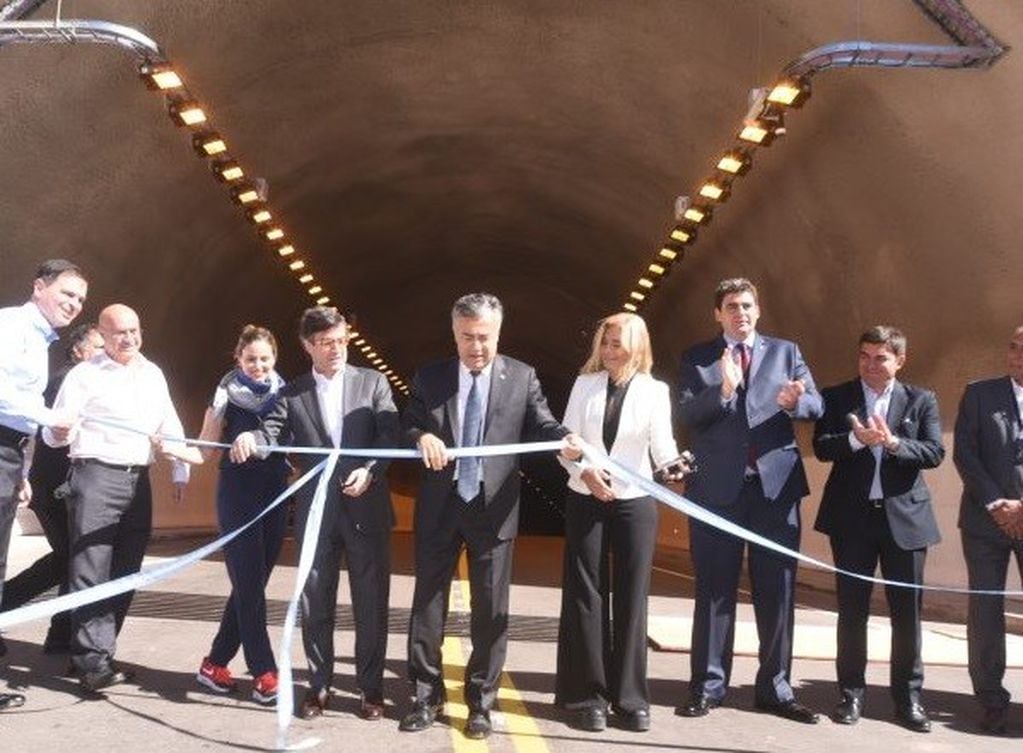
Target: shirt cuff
(854, 443)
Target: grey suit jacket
(913, 417)
(370, 420)
(987, 433)
(721, 434)
(516, 412)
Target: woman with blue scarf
(246, 394)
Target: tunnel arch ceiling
(418, 150)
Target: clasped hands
(1008, 516)
(874, 433)
(732, 377)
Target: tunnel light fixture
(160, 77)
(757, 132)
(244, 194)
(683, 234)
(315, 290)
(735, 162)
(629, 306)
(322, 301)
(699, 214)
(259, 215)
(359, 341)
(790, 93)
(306, 279)
(646, 283)
(286, 250)
(371, 354)
(274, 234)
(637, 296)
(208, 144)
(186, 112)
(668, 252)
(715, 190)
(657, 269)
(227, 170)
(296, 265)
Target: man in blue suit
(739, 394)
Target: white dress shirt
(876, 405)
(134, 394)
(25, 338)
(331, 396)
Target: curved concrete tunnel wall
(416, 151)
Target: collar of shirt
(748, 342)
(872, 397)
(36, 318)
(326, 383)
(1017, 390)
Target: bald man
(110, 502)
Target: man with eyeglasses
(339, 405)
(988, 453)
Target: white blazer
(644, 429)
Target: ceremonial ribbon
(285, 697)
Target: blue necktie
(472, 425)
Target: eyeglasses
(331, 342)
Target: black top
(613, 410)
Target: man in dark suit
(879, 434)
(988, 454)
(478, 398)
(339, 405)
(739, 394)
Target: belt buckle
(877, 504)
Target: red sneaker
(264, 689)
(215, 677)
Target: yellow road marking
(518, 722)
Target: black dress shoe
(371, 707)
(913, 717)
(634, 721)
(422, 716)
(477, 727)
(11, 701)
(994, 721)
(96, 681)
(791, 710)
(848, 711)
(314, 703)
(697, 704)
(592, 719)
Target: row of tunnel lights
(764, 122)
(249, 194)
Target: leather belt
(13, 438)
(80, 462)
(877, 504)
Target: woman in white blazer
(611, 529)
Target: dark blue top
(236, 421)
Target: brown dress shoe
(314, 703)
(371, 708)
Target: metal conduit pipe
(74, 31)
(976, 48)
(16, 9)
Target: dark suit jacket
(720, 435)
(986, 433)
(913, 417)
(516, 412)
(370, 420)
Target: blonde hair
(635, 341)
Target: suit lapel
(498, 387)
(897, 407)
(757, 356)
(451, 404)
(350, 391)
(857, 401)
(311, 403)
